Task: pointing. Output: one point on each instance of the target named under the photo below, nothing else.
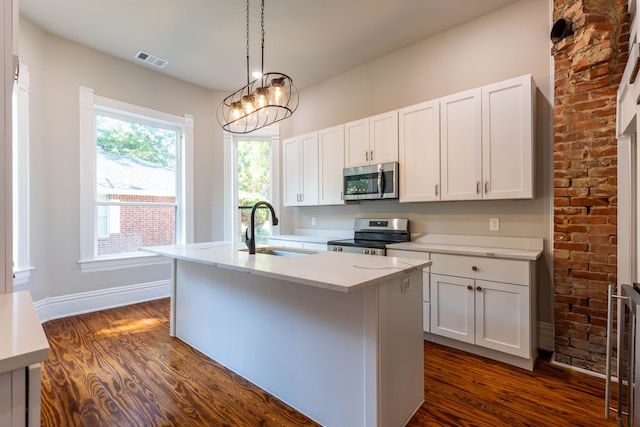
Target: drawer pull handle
(470, 287)
(479, 289)
(474, 268)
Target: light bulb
(247, 104)
(261, 97)
(277, 94)
(236, 110)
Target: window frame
(21, 185)
(230, 177)
(89, 105)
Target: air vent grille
(152, 60)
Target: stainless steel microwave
(371, 182)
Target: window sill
(119, 261)
(21, 275)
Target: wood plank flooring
(120, 367)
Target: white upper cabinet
(300, 172)
(419, 152)
(331, 162)
(461, 146)
(373, 140)
(356, 143)
(383, 138)
(487, 142)
(507, 139)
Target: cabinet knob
(470, 287)
(474, 268)
(486, 187)
(371, 154)
(366, 155)
(479, 288)
(477, 187)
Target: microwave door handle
(380, 181)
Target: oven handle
(380, 181)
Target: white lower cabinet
(491, 307)
(489, 314)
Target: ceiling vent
(150, 59)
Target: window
(20, 178)
(252, 166)
(135, 186)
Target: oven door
(371, 182)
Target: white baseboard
(546, 336)
(85, 302)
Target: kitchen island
(337, 336)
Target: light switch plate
(313, 220)
(494, 224)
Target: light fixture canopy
(262, 102)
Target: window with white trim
(20, 178)
(251, 175)
(136, 181)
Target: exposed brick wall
(588, 69)
(141, 225)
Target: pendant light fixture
(266, 100)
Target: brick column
(588, 69)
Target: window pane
(254, 184)
(135, 170)
(140, 226)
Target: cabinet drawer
(497, 270)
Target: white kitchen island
(337, 336)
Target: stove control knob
(366, 251)
(339, 248)
(373, 251)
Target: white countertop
(22, 339)
(342, 272)
(519, 248)
(485, 251)
(302, 238)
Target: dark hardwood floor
(120, 367)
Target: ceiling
(205, 40)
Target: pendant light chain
(248, 42)
(262, 28)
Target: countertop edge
(33, 346)
(487, 252)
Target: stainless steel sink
(269, 250)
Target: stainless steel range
(371, 235)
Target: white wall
(57, 68)
(510, 42)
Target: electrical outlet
(494, 224)
(313, 220)
(406, 285)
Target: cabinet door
(507, 139)
(502, 317)
(331, 156)
(452, 307)
(309, 169)
(419, 149)
(356, 143)
(383, 138)
(460, 146)
(291, 171)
